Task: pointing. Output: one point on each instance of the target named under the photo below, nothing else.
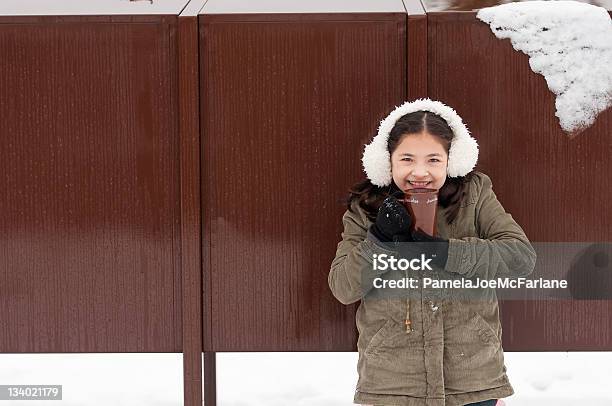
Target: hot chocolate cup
(422, 204)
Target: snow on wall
(89, 7)
(570, 44)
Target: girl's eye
(431, 160)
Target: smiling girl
(419, 352)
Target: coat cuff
(457, 256)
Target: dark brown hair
(370, 196)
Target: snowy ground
(281, 379)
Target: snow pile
(570, 44)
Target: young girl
(420, 351)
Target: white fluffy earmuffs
(462, 156)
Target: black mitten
(392, 221)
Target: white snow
(117, 379)
(89, 7)
(311, 6)
(570, 44)
(281, 379)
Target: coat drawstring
(408, 322)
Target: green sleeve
(502, 250)
(352, 266)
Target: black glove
(433, 247)
(392, 221)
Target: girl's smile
(419, 184)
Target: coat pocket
(474, 361)
(483, 329)
(378, 338)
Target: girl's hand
(419, 235)
(392, 221)
(433, 247)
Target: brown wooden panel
(288, 102)
(417, 49)
(191, 224)
(557, 188)
(90, 226)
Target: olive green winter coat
(452, 353)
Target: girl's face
(419, 158)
